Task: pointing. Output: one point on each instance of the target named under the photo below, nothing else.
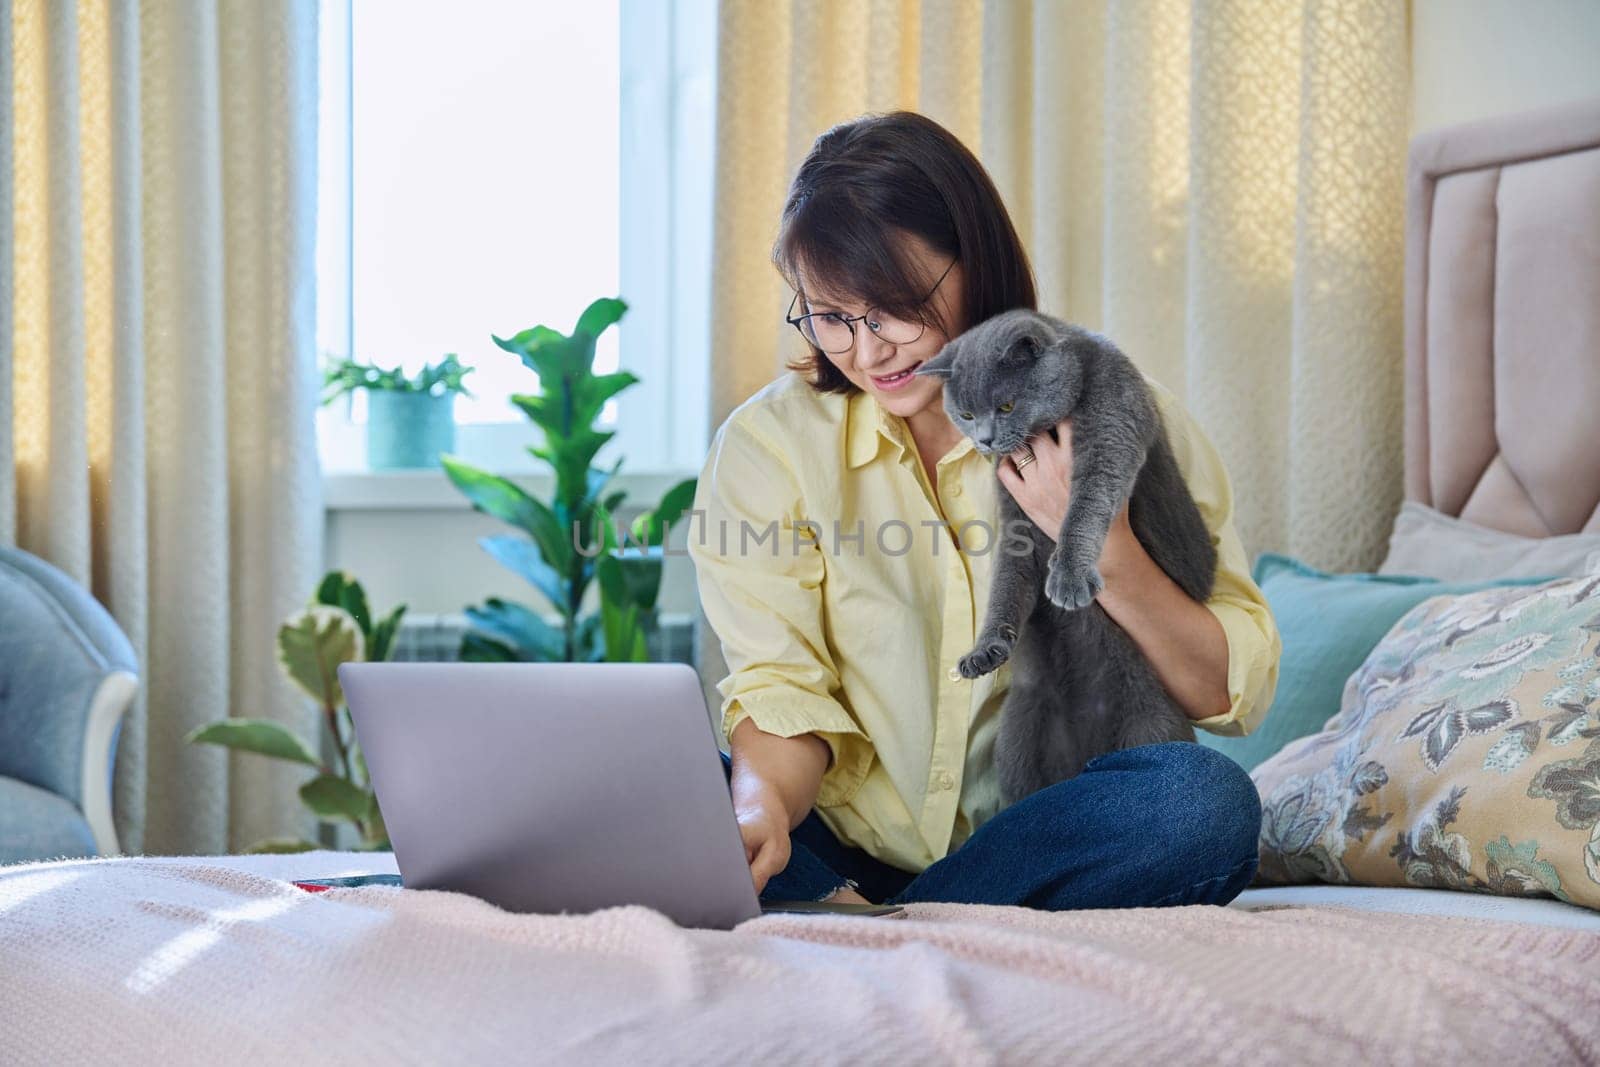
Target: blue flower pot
(407, 429)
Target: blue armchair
(67, 676)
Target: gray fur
(1080, 687)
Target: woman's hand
(1043, 489)
(764, 825)
(772, 778)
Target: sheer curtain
(158, 373)
(1216, 184)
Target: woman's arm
(774, 781)
(768, 768)
(764, 602)
(1180, 637)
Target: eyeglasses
(835, 333)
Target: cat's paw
(994, 648)
(1072, 587)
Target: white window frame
(668, 100)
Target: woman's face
(883, 370)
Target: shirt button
(944, 780)
(955, 489)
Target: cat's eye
(966, 415)
(1005, 409)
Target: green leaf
(331, 589)
(359, 760)
(599, 478)
(561, 411)
(311, 646)
(574, 401)
(476, 648)
(641, 576)
(520, 555)
(625, 640)
(377, 833)
(263, 736)
(494, 495)
(613, 585)
(280, 845)
(333, 797)
(355, 602)
(339, 589)
(546, 412)
(652, 527)
(533, 337)
(447, 373)
(599, 315)
(383, 635)
(520, 628)
(624, 637)
(597, 536)
(572, 458)
(589, 645)
(594, 321)
(543, 351)
(505, 500)
(594, 391)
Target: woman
(843, 560)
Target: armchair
(67, 676)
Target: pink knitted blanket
(168, 960)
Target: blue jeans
(1150, 826)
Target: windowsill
(428, 489)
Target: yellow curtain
(1216, 184)
(157, 369)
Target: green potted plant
(336, 628)
(410, 420)
(570, 541)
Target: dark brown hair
(863, 186)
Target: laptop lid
(550, 787)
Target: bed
(200, 959)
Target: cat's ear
(1033, 339)
(940, 366)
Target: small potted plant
(410, 421)
(336, 627)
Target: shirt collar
(868, 426)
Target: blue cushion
(1329, 623)
(36, 824)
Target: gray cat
(1080, 687)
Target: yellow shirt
(827, 567)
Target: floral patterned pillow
(1465, 755)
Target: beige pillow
(1432, 544)
(1465, 755)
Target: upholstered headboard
(1503, 321)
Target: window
(489, 166)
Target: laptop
(558, 787)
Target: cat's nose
(983, 439)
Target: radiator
(437, 638)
